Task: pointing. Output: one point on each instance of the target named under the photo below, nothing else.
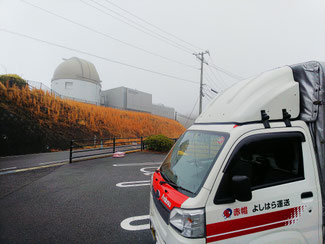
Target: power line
(192, 110)
(208, 78)
(106, 35)
(207, 96)
(237, 77)
(155, 26)
(209, 93)
(220, 78)
(132, 25)
(140, 25)
(97, 56)
(227, 72)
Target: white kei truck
(252, 167)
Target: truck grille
(163, 211)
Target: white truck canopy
(311, 79)
(271, 91)
(290, 92)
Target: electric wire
(192, 111)
(208, 92)
(132, 25)
(221, 80)
(208, 78)
(140, 25)
(227, 72)
(106, 35)
(237, 77)
(212, 91)
(155, 26)
(211, 81)
(96, 56)
(207, 96)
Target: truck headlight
(190, 223)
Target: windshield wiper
(168, 181)
(175, 185)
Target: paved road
(32, 160)
(78, 203)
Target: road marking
(134, 183)
(126, 224)
(32, 168)
(137, 164)
(146, 172)
(58, 161)
(8, 168)
(13, 156)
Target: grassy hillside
(34, 121)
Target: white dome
(77, 69)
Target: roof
(77, 69)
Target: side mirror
(241, 187)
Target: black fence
(96, 147)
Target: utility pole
(200, 56)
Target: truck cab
(245, 172)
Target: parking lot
(97, 201)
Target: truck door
(284, 203)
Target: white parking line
(137, 164)
(8, 168)
(134, 183)
(148, 172)
(126, 224)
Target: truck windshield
(190, 160)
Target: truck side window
(267, 161)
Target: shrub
(12, 79)
(158, 143)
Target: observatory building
(130, 99)
(78, 79)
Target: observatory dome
(77, 69)
(77, 79)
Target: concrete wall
(163, 111)
(115, 97)
(78, 89)
(126, 98)
(137, 100)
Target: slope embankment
(35, 121)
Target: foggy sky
(243, 37)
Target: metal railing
(100, 147)
(88, 148)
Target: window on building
(68, 85)
(267, 160)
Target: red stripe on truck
(169, 196)
(248, 225)
(246, 232)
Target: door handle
(306, 194)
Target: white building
(78, 79)
(127, 99)
(162, 110)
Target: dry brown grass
(102, 121)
